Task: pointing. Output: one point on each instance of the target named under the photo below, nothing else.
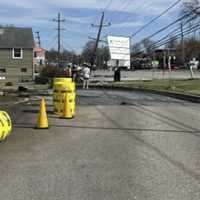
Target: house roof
(13, 37)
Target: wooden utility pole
(59, 21)
(93, 57)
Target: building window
(23, 70)
(2, 70)
(17, 53)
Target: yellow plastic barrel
(66, 90)
(61, 87)
(73, 103)
(7, 120)
(5, 125)
(73, 97)
(62, 80)
(66, 111)
(57, 97)
(2, 130)
(57, 86)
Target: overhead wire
(52, 42)
(140, 6)
(175, 37)
(179, 35)
(156, 18)
(171, 24)
(175, 31)
(108, 5)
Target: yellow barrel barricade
(67, 109)
(73, 85)
(58, 84)
(56, 98)
(63, 86)
(2, 130)
(5, 125)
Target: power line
(108, 5)
(156, 18)
(172, 23)
(175, 31)
(125, 4)
(66, 44)
(175, 37)
(180, 35)
(128, 4)
(52, 42)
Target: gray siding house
(16, 54)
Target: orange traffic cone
(42, 117)
(67, 111)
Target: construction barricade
(5, 125)
(64, 94)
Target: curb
(22, 101)
(186, 97)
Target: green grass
(183, 86)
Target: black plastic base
(42, 128)
(66, 117)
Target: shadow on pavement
(24, 125)
(36, 111)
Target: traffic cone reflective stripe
(42, 117)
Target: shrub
(9, 84)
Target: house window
(17, 53)
(2, 70)
(23, 70)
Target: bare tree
(102, 55)
(148, 46)
(191, 9)
(136, 48)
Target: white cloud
(80, 20)
(135, 6)
(19, 3)
(127, 24)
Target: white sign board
(119, 47)
(122, 63)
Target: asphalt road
(120, 146)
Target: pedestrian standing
(86, 77)
(191, 65)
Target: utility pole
(59, 21)
(93, 57)
(182, 45)
(38, 39)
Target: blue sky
(126, 17)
